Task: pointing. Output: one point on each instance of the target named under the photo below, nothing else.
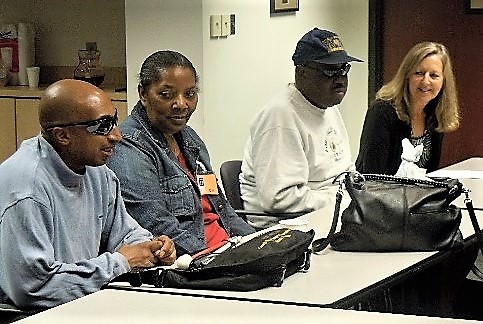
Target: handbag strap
(469, 206)
(320, 244)
(474, 220)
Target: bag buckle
(305, 266)
(467, 194)
(159, 278)
(283, 270)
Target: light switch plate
(215, 25)
(225, 25)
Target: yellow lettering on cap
(333, 44)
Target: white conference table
(470, 164)
(119, 307)
(335, 279)
(470, 173)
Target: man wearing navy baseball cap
(322, 65)
(298, 141)
(321, 46)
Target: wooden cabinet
(27, 118)
(7, 128)
(19, 117)
(19, 121)
(121, 107)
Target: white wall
(241, 72)
(244, 70)
(163, 25)
(238, 73)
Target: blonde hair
(446, 102)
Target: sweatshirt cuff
(122, 266)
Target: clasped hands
(160, 250)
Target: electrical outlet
(215, 25)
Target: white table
(119, 307)
(334, 279)
(471, 164)
(470, 173)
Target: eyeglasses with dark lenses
(100, 126)
(331, 73)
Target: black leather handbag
(389, 213)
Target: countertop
(26, 92)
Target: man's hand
(147, 254)
(167, 253)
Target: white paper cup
(33, 73)
(295, 224)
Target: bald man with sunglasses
(64, 230)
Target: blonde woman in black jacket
(420, 103)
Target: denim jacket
(157, 191)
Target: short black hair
(154, 66)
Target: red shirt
(215, 234)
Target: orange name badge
(207, 184)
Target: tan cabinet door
(7, 128)
(121, 107)
(27, 118)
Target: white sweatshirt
(291, 157)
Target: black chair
(230, 173)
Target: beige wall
(158, 25)
(243, 71)
(63, 27)
(239, 73)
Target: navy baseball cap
(321, 46)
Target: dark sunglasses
(100, 126)
(331, 73)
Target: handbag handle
(404, 180)
(469, 206)
(474, 220)
(320, 244)
(456, 188)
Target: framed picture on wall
(474, 6)
(277, 6)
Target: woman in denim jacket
(161, 161)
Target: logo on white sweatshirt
(333, 144)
